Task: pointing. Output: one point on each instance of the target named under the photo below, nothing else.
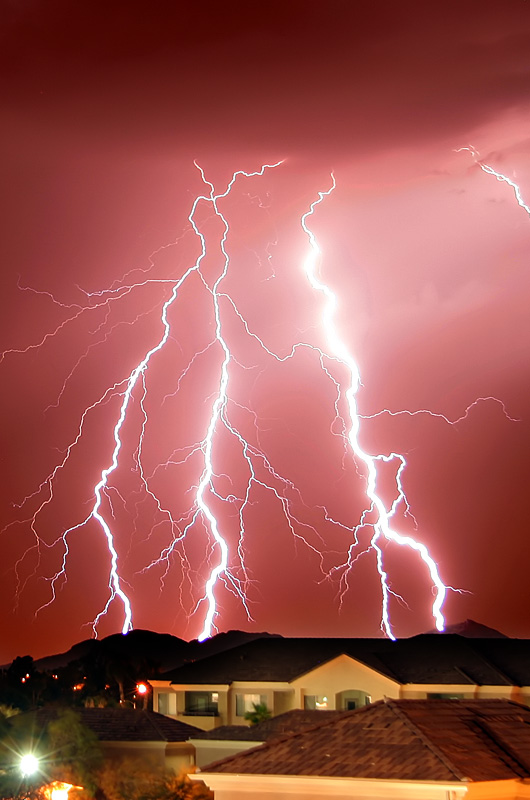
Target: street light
(29, 764)
(142, 690)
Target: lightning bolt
(498, 175)
(225, 562)
(381, 526)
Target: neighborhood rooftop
(433, 740)
(126, 724)
(289, 722)
(428, 659)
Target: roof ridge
(151, 719)
(486, 659)
(383, 660)
(499, 741)
(425, 739)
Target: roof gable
(430, 659)
(280, 660)
(346, 667)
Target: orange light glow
(58, 790)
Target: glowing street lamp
(142, 690)
(29, 764)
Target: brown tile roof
(435, 740)
(126, 724)
(291, 722)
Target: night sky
(105, 107)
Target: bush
(133, 780)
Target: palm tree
(259, 714)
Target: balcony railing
(201, 712)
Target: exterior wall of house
(146, 752)
(216, 716)
(499, 790)
(341, 680)
(267, 787)
(278, 697)
(293, 787)
(207, 751)
(338, 684)
(179, 756)
(164, 698)
(445, 691)
(150, 752)
(522, 695)
(283, 701)
(505, 692)
(465, 691)
(172, 755)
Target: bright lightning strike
(381, 526)
(220, 502)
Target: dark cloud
(298, 76)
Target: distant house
(341, 674)
(137, 734)
(393, 749)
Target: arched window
(351, 698)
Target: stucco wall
(342, 674)
(292, 787)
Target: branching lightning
(225, 562)
(381, 526)
(498, 175)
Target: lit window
(352, 699)
(317, 702)
(246, 703)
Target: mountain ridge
(163, 652)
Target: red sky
(104, 108)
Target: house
(392, 749)
(228, 740)
(282, 673)
(341, 674)
(127, 732)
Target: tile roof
(290, 722)
(428, 658)
(453, 659)
(434, 740)
(275, 660)
(127, 724)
